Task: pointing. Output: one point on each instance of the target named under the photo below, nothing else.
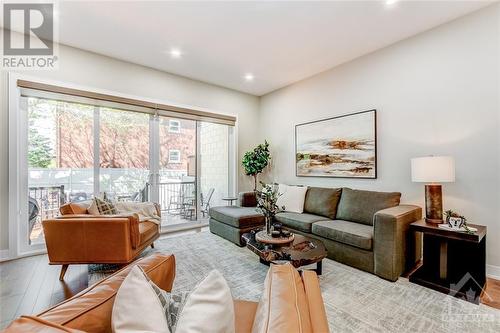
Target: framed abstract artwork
(343, 146)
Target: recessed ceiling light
(249, 77)
(175, 53)
(390, 2)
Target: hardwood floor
(30, 285)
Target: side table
(453, 262)
(230, 200)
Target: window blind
(42, 90)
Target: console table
(453, 262)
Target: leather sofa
(364, 229)
(297, 304)
(77, 237)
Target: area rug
(355, 301)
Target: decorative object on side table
(256, 160)
(453, 262)
(433, 170)
(266, 203)
(456, 222)
(343, 146)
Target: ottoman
(230, 222)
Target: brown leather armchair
(77, 237)
(296, 302)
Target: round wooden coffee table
(301, 252)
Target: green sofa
(364, 229)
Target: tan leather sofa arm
(90, 310)
(393, 248)
(36, 325)
(317, 310)
(132, 218)
(94, 239)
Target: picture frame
(344, 146)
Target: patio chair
(205, 204)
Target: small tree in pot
(256, 160)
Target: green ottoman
(230, 222)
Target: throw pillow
(105, 207)
(208, 308)
(292, 197)
(140, 305)
(360, 206)
(93, 208)
(322, 201)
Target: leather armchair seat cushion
(147, 230)
(346, 232)
(238, 217)
(299, 221)
(360, 206)
(322, 201)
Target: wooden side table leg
(443, 260)
(319, 267)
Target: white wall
(100, 72)
(435, 93)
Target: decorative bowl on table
(263, 237)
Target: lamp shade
(433, 169)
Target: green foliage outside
(256, 160)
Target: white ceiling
(279, 42)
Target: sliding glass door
(60, 159)
(123, 154)
(177, 170)
(73, 151)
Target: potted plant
(267, 200)
(256, 160)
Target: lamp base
(433, 204)
(433, 221)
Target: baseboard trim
(4, 255)
(493, 272)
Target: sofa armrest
(317, 310)
(392, 246)
(247, 199)
(93, 239)
(90, 310)
(36, 325)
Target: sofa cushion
(360, 206)
(301, 222)
(147, 230)
(346, 232)
(283, 306)
(322, 201)
(291, 198)
(238, 217)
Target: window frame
(178, 151)
(170, 130)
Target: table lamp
(433, 170)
